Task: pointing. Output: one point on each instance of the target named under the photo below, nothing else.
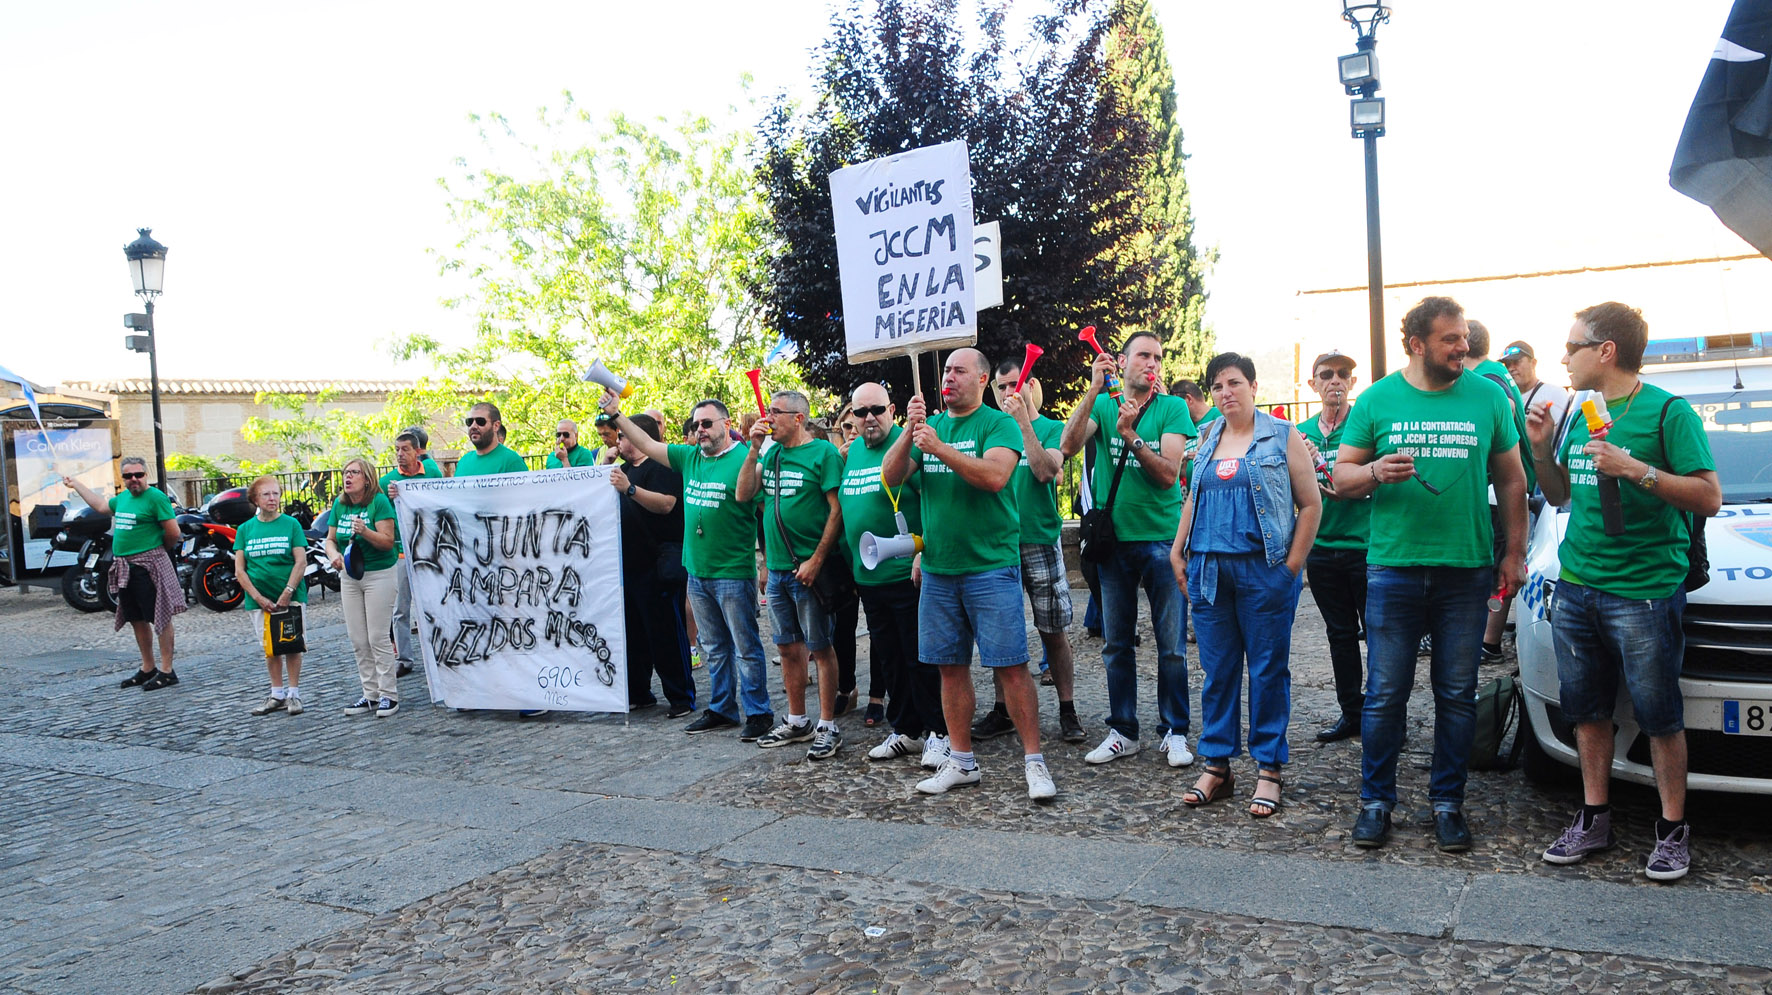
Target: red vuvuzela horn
(1027, 364)
(757, 388)
(1088, 335)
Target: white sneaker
(895, 746)
(951, 775)
(1113, 747)
(1040, 786)
(935, 750)
(1175, 744)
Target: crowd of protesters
(1194, 496)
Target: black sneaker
(1372, 828)
(1491, 657)
(678, 711)
(1451, 832)
(402, 670)
(138, 678)
(756, 727)
(1070, 728)
(708, 722)
(992, 725)
(161, 679)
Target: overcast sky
(288, 155)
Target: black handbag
(835, 584)
(1095, 532)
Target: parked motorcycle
(320, 571)
(86, 533)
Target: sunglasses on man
(475, 422)
(871, 411)
(135, 476)
(704, 423)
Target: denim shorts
(954, 610)
(1042, 574)
(796, 613)
(1600, 636)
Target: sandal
(875, 714)
(1194, 797)
(1261, 808)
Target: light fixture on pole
(147, 270)
(1359, 78)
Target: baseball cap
(1516, 349)
(1330, 355)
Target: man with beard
(408, 465)
(489, 455)
(971, 564)
(720, 555)
(1425, 442)
(1337, 562)
(142, 578)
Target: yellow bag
(283, 631)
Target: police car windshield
(1739, 427)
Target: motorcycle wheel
(216, 588)
(85, 590)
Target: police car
(1727, 676)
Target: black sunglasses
(704, 423)
(873, 411)
(471, 422)
(562, 435)
(134, 476)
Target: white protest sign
(516, 581)
(987, 253)
(904, 251)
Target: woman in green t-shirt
(365, 518)
(270, 556)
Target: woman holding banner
(365, 518)
(270, 556)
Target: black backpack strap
(781, 526)
(1120, 467)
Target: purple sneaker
(1579, 840)
(1672, 856)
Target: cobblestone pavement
(429, 851)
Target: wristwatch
(630, 490)
(1137, 444)
(1649, 480)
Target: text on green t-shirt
(867, 507)
(719, 531)
(1345, 523)
(807, 473)
(967, 530)
(270, 550)
(377, 510)
(1142, 511)
(135, 521)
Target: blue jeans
(956, 610)
(1251, 620)
(1146, 564)
(1402, 603)
(1598, 636)
(726, 627)
(796, 613)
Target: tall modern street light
(1359, 76)
(147, 269)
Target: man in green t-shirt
(1042, 559)
(966, 456)
(489, 455)
(802, 524)
(142, 579)
(720, 556)
(1619, 601)
(408, 465)
(1426, 442)
(1477, 361)
(567, 451)
(913, 689)
(1337, 561)
(1147, 432)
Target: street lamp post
(1359, 77)
(147, 269)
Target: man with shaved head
(966, 456)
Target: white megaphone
(599, 374)
(877, 549)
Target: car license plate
(1747, 718)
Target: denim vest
(1269, 481)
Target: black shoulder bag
(835, 584)
(1095, 533)
(1697, 554)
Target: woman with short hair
(270, 557)
(363, 515)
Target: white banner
(516, 582)
(987, 253)
(904, 252)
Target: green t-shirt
(808, 472)
(1649, 560)
(1494, 371)
(379, 509)
(502, 459)
(1142, 511)
(269, 549)
(1038, 502)
(1451, 433)
(579, 455)
(431, 467)
(719, 531)
(967, 531)
(1212, 414)
(394, 476)
(135, 521)
(868, 508)
(1345, 523)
